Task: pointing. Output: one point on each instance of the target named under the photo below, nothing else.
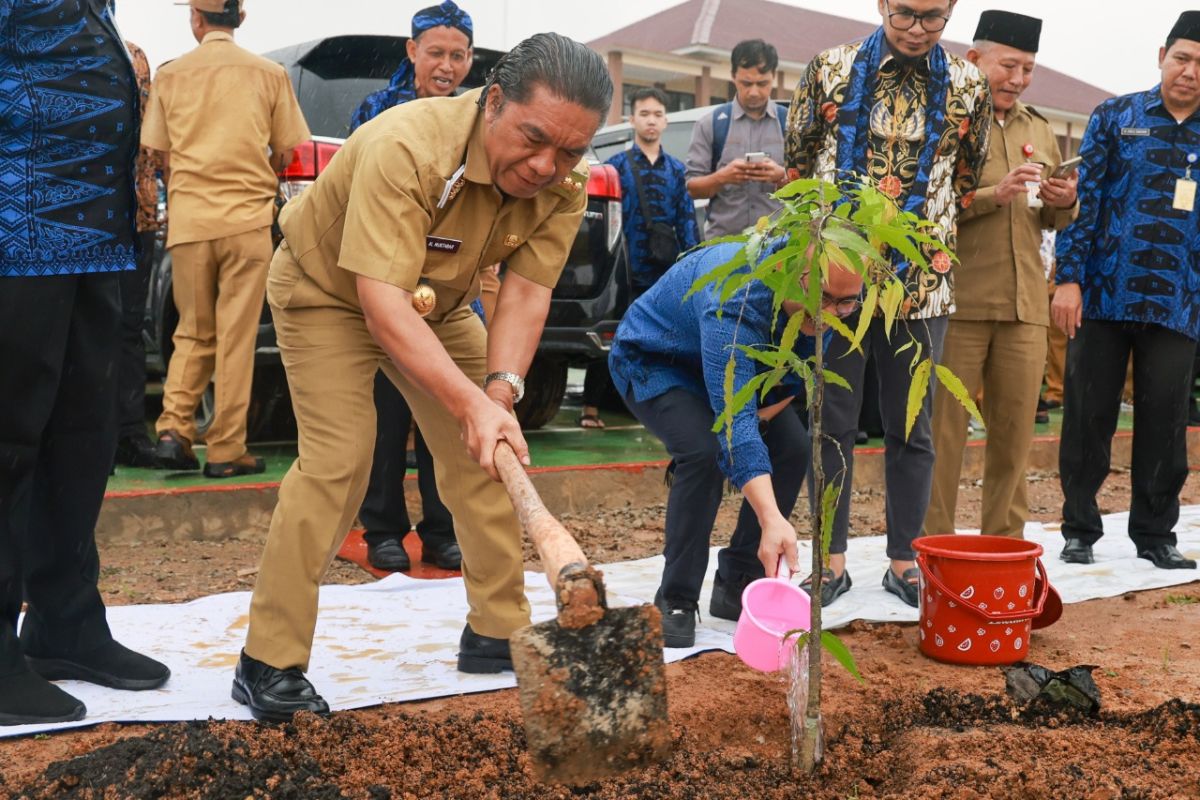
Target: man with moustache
(914, 119)
(439, 58)
(996, 339)
(409, 210)
(1128, 277)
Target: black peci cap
(1014, 30)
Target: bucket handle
(997, 614)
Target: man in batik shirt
(1128, 277)
(914, 119)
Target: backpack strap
(722, 118)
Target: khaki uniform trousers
(331, 360)
(1005, 360)
(1056, 356)
(218, 287)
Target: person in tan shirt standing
(226, 121)
(416, 203)
(997, 336)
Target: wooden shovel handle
(555, 545)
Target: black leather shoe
(274, 695)
(1167, 556)
(445, 555)
(113, 665)
(832, 586)
(29, 699)
(245, 464)
(726, 602)
(1075, 551)
(903, 586)
(175, 452)
(678, 621)
(136, 451)
(1042, 415)
(389, 555)
(482, 655)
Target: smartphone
(755, 158)
(1065, 169)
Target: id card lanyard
(1185, 188)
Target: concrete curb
(218, 512)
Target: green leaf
(829, 501)
(727, 413)
(735, 402)
(837, 648)
(916, 394)
(955, 386)
(866, 314)
(791, 331)
(836, 380)
(893, 298)
(842, 329)
(901, 241)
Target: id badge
(1185, 195)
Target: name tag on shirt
(442, 245)
(1135, 131)
(1185, 195)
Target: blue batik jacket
(1135, 257)
(665, 342)
(68, 140)
(665, 185)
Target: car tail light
(309, 161)
(604, 183)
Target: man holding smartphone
(736, 155)
(996, 339)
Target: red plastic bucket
(979, 595)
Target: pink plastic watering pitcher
(770, 608)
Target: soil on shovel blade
(914, 728)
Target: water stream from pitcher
(797, 696)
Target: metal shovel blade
(594, 698)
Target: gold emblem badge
(455, 189)
(570, 184)
(512, 240)
(424, 300)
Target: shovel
(592, 684)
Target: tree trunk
(811, 749)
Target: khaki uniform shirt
(220, 111)
(409, 198)
(1001, 276)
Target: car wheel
(545, 386)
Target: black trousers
(595, 382)
(908, 463)
(1095, 375)
(131, 374)
(683, 422)
(59, 345)
(383, 512)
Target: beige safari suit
(216, 110)
(996, 339)
(408, 198)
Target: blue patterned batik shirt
(665, 342)
(665, 185)
(69, 130)
(1135, 257)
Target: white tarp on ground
(396, 640)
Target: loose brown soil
(915, 728)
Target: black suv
(331, 77)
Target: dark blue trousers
(683, 422)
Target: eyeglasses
(841, 306)
(904, 20)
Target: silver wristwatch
(511, 378)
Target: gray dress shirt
(738, 205)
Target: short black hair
(231, 17)
(568, 69)
(647, 93)
(754, 54)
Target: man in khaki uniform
(997, 336)
(419, 200)
(227, 121)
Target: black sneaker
(27, 698)
(678, 621)
(726, 602)
(112, 664)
